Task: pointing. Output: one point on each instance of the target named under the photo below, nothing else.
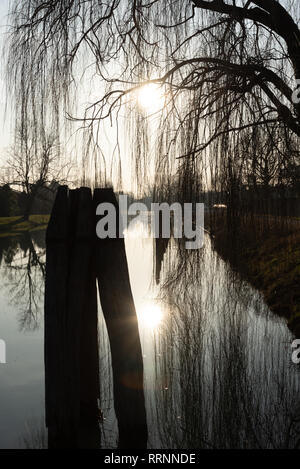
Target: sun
(151, 98)
(150, 315)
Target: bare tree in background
(225, 66)
(34, 165)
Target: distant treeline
(280, 200)
(15, 203)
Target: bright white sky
(6, 117)
(108, 141)
(108, 135)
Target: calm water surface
(218, 369)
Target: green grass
(9, 226)
(274, 268)
(270, 260)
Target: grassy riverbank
(11, 226)
(266, 251)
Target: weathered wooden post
(75, 257)
(59, 431)
(83, 318)
(122, 326)
(71, 324)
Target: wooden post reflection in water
(122, 326)
(71, 333)
(161, 246)
(75, 258)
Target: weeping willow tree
(225, 68)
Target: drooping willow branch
(224, 65)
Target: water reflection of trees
(225, 377)
(223, 371)
(34, 435)
(22, 260)
(108, 421)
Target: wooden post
(55, 322)
(71, 324)
(74, 258)
(122, 326)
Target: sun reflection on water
(150, 315)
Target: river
(218, 364)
